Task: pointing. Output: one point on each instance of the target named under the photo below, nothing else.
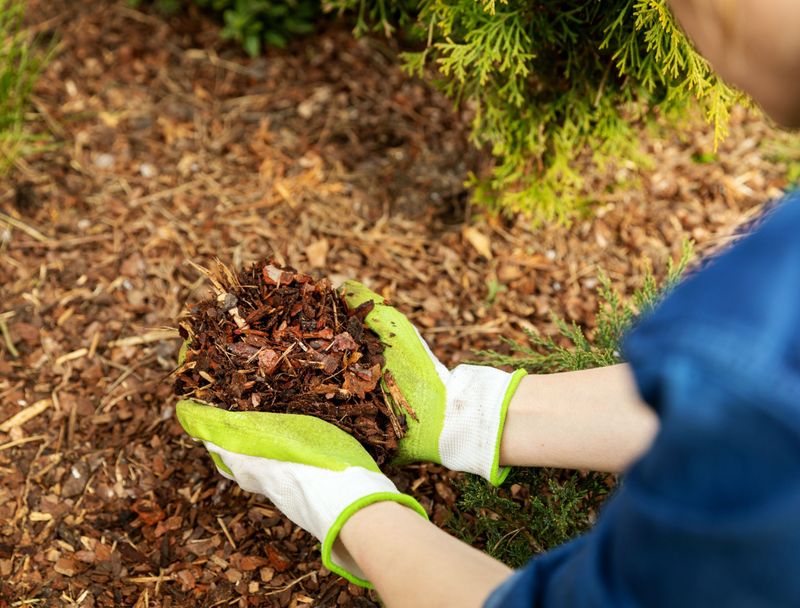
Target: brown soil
(274, 340)
(171, 146)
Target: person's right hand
(458, 414)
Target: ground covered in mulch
(172, 146)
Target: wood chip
(25, 415)
(317, 253)
(479, 241)
(66, 566)
(397, 394)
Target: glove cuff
(475, 413)
(337, 559)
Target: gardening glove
(458, 415)
(315, 473)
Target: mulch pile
(172, 145)
(275, 340)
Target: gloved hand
(460, 413)
(315, 473)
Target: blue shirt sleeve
(710, 515)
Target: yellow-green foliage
(551, 80)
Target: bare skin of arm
(411, 562)
(590, 419)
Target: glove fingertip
(355, 293)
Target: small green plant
(494, 288)
(786, 150)
(166, 7)
(20, 65)
(255, 23)
(554, 507)
(538, 509)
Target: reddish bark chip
(277, 559)
(148, 511)
(343, 341)
(249, 563)
(268, 361)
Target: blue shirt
(710, 515)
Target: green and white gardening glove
(460, 413)
(315, 473)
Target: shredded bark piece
(397, 395)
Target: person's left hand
(315, 473)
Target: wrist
(414, 563)
(359, 524)
(354, 528)
(357, 537)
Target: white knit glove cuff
(312, 497)
(477, 401)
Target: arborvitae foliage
(551, 80)
(538, 509)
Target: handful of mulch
(275, 340)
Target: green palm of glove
(416, 371)
(285, 437)
(315, 473)
(459, 414)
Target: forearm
(411, 562)
(590, 419)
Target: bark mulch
(271, 339)
(173, 146)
